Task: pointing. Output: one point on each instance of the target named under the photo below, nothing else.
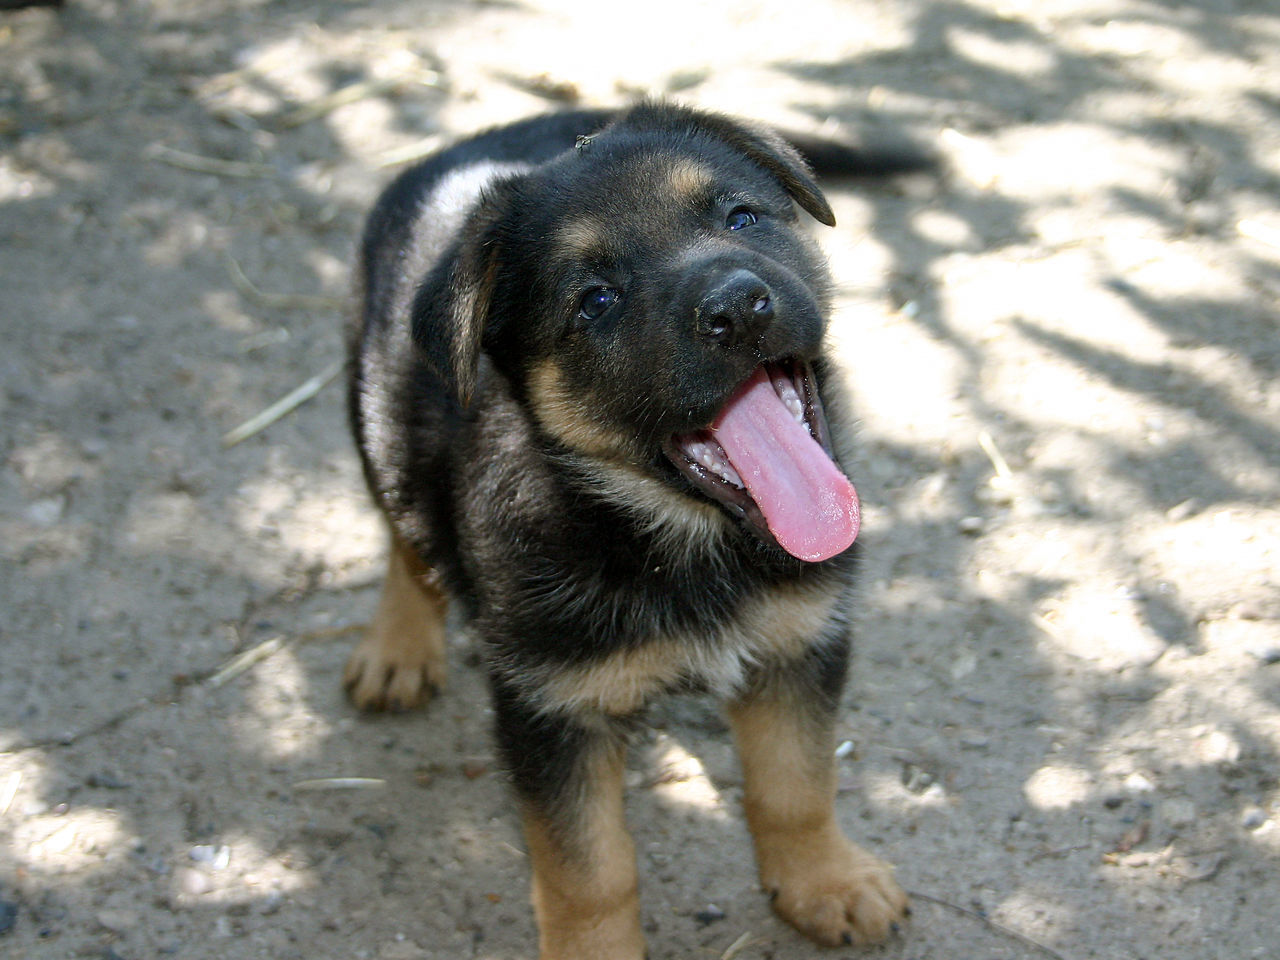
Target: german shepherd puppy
(589, 388)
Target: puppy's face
(664, 281)
(651, 297)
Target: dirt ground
(1064, 719)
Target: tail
(833, 159)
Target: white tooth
(792, 402)
(712, 458)
(790, 398)
(796, 407)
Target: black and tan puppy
(588, 384)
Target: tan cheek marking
(567, 417)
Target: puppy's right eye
(739, 217)
(596, 301)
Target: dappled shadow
(1205, 441)
(1001, 718)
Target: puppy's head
(652, 300)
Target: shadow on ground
(1065, 400)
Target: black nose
(736, 308)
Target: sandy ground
(1064, 722)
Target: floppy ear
(766, 147)
(451, 307)
(780, 158)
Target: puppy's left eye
(596, 301)
(738, 218)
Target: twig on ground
(278, 301)
(998, 462)
(341, 783)
(353, 93)
(738, 946)
(409, 152)
(1257, 230)
(282, 407)
(113, 721)
(254, 655)
(219, 168)
(988, 922)
(243, 661)
(10, 791)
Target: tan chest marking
(778, 626)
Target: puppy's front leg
(825, 886)
(568, 774)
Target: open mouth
(767, 458)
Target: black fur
(468, 296)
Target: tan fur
(402, 656)
(777, 626)
(563, 415)
(688, 180)
(579, 240)
(685, 528)
(584, 879)
(828, 888)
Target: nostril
(734, 307)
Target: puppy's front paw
(392, 673)
(835, 892)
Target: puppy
(589, 389)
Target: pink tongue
(810, 507)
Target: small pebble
(193, 882)
(709, 915)
(217, 857)
(117, 921)
(1268, 653)
(105, 781)
(965, 664)
(916, 779)
(46, 512)
(971, 526)
(1218, 746)
(1138, 783)
(1253, 818)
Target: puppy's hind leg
(401, 659)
